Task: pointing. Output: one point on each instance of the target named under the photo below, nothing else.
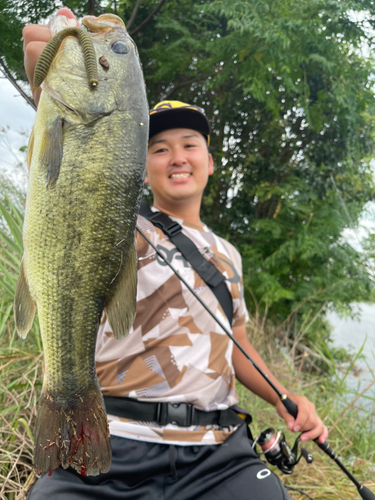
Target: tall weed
(20, 360)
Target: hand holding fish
(35, 38)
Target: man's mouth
(180, 176)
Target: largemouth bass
(87, 155)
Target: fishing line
(290, 406)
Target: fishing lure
(50, 50)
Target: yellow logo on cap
(161, 106)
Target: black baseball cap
(176, 114)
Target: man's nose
(178, 157)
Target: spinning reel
(277, 451)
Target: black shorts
(148, 471)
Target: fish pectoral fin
(122, 305)
(52, 150)
(24, 306)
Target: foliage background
(288, 90)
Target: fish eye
(120, 47)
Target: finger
(283, 412)
(34, 33)
(32, 53)
(64, 11)
(324, 435)
(302, 422)
(306, 418)
(41, 32)
(320, 431)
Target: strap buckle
(180, 414)
(167, 225)
(172, 230)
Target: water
(352, 334)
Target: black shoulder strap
(209, 274)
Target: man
(176, 353)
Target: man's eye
(161, 150)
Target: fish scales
(88, 153)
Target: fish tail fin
(73, 432)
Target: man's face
(178, 166)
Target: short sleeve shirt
(175, 351)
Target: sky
(19, 116)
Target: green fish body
(88, 154)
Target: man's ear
(146, 180)
(210, 164)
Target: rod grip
(326, 448)
(365, 493)
(290, 405)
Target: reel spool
(277, 451)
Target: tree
(288, 90)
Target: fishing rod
(290, 406)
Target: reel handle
(307, 456)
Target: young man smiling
(181, 165)
(177, 364)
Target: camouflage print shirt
(175, 351)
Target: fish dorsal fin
(24, 306)
(122, 305)
(52, 150)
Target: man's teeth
(179, 176)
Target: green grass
(20, 360)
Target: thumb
(64, 11)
